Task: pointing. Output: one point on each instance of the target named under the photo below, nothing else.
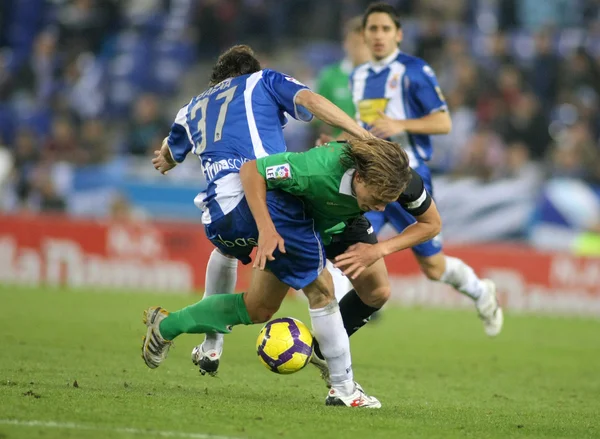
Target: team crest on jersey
(294, 80)
(279, 172)
(394, 81)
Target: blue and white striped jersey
(237, 120)
(402, 87)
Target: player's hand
(386, 127)
(357, 258)
(163, 160)
(323, 139)
(268, 242)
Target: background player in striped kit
(397, 97)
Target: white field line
(75, 426)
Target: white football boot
(154, 348)
(489, 310)
(208, 361)
(358, 398)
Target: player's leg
(371, 291)
(328, 327)
(455, 272)
(217, 313)
(303, 267)
(452, 271)
(221, 276)
(356, 309)
(233, 235)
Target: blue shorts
(395, 214)
(236, 235)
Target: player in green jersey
(336, 184)
(333, 79)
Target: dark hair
(353, 26)
(382, 165)
(236, 61)
(383, 8)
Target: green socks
(212, 314)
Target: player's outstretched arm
(361, 256)
(329, 113)
(427, 227)
(255, 189)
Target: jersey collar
(382, 64)
(346, 183)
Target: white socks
(463, 278)
(221, 275)
(328, 328)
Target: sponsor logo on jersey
(369, 109)
(211, 169)
(279, 172)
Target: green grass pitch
(70, 367)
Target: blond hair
(381, 164)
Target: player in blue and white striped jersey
(397, 97)
(241, 118)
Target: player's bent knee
(261, 315)
(432, 271)
(378, 297)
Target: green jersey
(334, 84)
(325, 186)
(318, 177)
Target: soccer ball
(284, 345)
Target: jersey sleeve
(415, 199)
(287, 171)
(179, 136)
(284, 89)
(426, 89)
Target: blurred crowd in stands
(93, 82)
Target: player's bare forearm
(329, 113)
(428, 226)
(255, 189)
(434, 123)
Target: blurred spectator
(26, 158)
(62, 144)
(482, 156)
(519, 166)
(431, 40)
(545, 70)
(147, 125)
(48, 198)
(575, 154)
(526, 123)
(94, 142)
